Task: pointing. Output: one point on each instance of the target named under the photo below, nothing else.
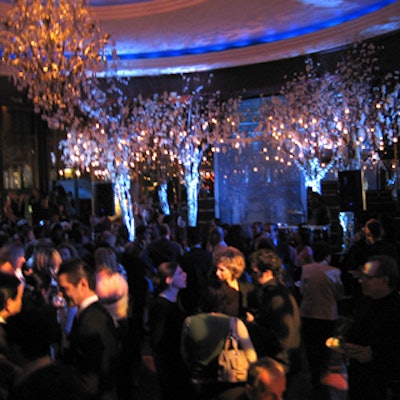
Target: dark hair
(305, 235)
(264, 243)
(375, 227)
(165, 270)
(321, 250)
(8, 288)
(76, 269)
(215, 235)
(164, 230)
(12, 251)
(213, 298)
(141, 230)
(266, 260)
(387, 267)
(193, 235)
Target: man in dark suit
(93, 346)
(163, 249)
(11, 291)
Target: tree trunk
(122, 187)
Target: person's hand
(249, 317)
(363, 354)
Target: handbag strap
(232, 326)
(231, 338)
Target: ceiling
(156, 37)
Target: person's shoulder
(95, 312)
(246, 286)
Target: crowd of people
(83, 309)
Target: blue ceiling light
(269, 37)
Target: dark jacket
(275, 331)
(93, 351)
(376, 324)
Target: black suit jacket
(93, 351)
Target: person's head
(321, 251)
(263, 242)
(193, 235)
(266, 380)
(169, 274)
(105, 259)
(265, 265)
(76, 281)
(303, 236)
(271, 230)
(143, 233)
(373, 231)
(213, 298)
(14, 253)
(379, 276)
(216, 235)
(67, 251)
(11, 292)
(47, 259)
(256, 228)
(164, 231)
(107, 238)
(230, 263)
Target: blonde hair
(232, 259)
(48, 259)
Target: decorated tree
(183, 127)
(325, 119)
(387, 127)
(106, 144)
(302, 123)
(53, 50)
(354, 105)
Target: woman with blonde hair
(47, 260)
(113, 292)
(111, 286)
(230, 265)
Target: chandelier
(53, 50)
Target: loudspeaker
(351, 191)
(104, 199)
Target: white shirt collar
(87, 302)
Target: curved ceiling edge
(326, 39)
